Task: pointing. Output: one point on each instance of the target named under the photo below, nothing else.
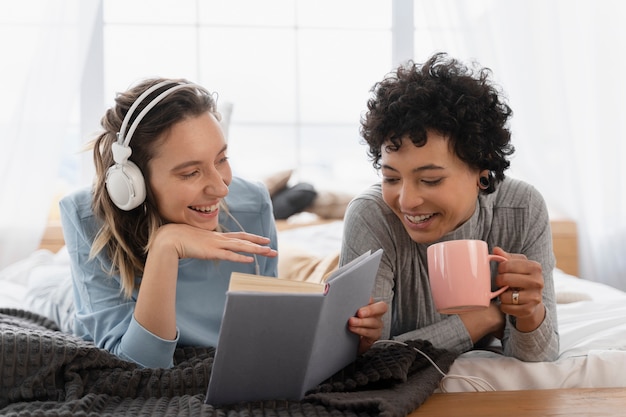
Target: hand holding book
(368, 324)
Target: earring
(483, 182)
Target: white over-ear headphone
(124, 180)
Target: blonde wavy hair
(126, 235)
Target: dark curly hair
(448, 97)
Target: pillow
(278, 181)
(330, 205)
(293, 200)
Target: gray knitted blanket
(45, 372)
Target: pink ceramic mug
(460, 276)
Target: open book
(281, 338)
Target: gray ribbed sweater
(514, 218)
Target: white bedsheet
(12, 294)
(40, 283)
(592, 346)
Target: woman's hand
(524, 298)
(368, 323)
(155, 309)
(193, 242)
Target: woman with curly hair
(437, 132)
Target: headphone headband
(123, 138)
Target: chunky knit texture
(45, 372)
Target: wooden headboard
(564, 238)
(565, 245)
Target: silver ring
(515, 297)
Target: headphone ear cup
(125, 185)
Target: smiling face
(190, 173)
(429, 188)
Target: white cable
(477, 383)
(257, 269)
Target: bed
(591, 321)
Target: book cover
(278, 343)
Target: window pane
(449, 14)
(247, 13)
(450, 26)
(165, 51)
(335, 82)
(345, 13)
(334, 158)
(254, 69)
(255, 151)
(167, 12)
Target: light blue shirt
(102, 313)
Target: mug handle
(499, 291)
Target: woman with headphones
(154, 241)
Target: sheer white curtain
(43, 45)
(562, 65)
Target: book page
(240, 282)
(342, 270)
